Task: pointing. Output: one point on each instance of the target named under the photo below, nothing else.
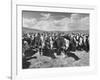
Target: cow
(62, 46)
(48, 52)
(59, 43)
(28, 54)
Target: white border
(18, 73)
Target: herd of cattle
(52, 44)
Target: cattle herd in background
(52, 44)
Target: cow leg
(58, 51)
(69, 54)
(40, 51)
(53, 56)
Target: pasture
(47, 62)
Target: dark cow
(28, 54)
(59, 43)
(48, 52)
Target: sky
(55, 21)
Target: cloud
(29, 22)
(62, 24)
(52, 24)
(78, 22)
(85, 23)
(48, 22)
(45, 16)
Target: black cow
(48, 52)
(27, 56)
(59, 43)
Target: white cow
(66, 43)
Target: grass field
(47, 62)
(30, 30)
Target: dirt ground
(47, 62)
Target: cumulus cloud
(48, 22)
(78, 22)
(52, 24)
(29, 22)
(45, 16)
